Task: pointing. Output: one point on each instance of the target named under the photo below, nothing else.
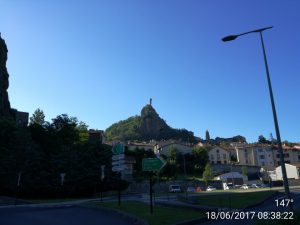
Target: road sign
(62, 177)
(118, 168)
(118, 149)
(119, 162)
(102, 171)
(153, 164)
(118, 157)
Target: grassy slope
(235, 200)
(161, 215)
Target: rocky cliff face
(5, 109)
(145, 127)
(151, 124)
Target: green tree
(38, 117)
(244, 170)
(263, 140)
(82, 132)
(65, 128)
(173, 155)
(200, 158)
(208, 173)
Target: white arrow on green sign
(153, 164)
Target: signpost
(152, 165)
(118, 161)
(62, 178)
(101, 180)
(118, 157)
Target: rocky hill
(148, 125)
(5, 109)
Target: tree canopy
(42, 151)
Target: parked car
(245, 186)
(190, 189)
(199, 189)
(237, 186)
(211, 188)
(174, 188)
(228, 186)
(257, 186)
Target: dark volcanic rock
(146, 127)
(5, 109)
(151, 124)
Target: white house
(164, 147)
(218, 155)
(292, 171)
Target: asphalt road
(59, 216)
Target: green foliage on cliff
(124, 130)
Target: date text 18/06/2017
(240, 215)
(249, 215)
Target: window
(247, 161)
(262, 157)
(225, 162)
(224, 156)
(212, 157)
(218, 156)
(260, 150)
(263, 164)
(298, 157)
(218, 162)
(217, 150)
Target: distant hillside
(145, 127)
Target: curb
(37, 206)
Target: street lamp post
(101, 181)
(284, 175)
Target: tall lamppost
(233, 37)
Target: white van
(174, 188)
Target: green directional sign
(118, 149)
(153, 164)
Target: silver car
(245, 186)
(211, 188)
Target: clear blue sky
(101, 61)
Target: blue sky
(101, 61)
